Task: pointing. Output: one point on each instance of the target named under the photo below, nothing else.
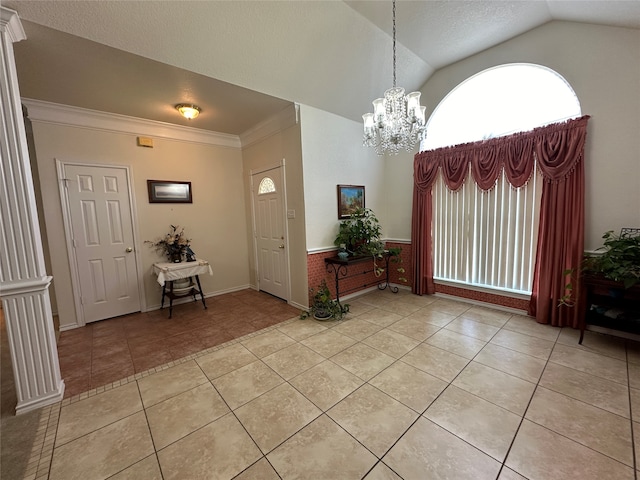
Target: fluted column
(24, 284)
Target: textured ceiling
(331, 55)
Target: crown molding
(276, 123)
(57, 114)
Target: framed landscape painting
(350, 197)
(163, 191)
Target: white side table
(168, 272)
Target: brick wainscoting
(401, 273)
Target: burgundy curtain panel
(558, 150)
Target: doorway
(97, 210)
(270, 232)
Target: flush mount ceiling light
(398, 120)
(188, 110)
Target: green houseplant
(323, 307)
(619, 261)
(360, 233)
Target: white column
(24, 284)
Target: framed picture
(350, 197)
(164, 191)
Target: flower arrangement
(174, 244)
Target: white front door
(102, 236)
(270, 232)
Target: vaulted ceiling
(243, 61)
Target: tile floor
(405, 387)
(103, 352)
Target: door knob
(281, 245)
(128, 250)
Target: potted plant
(323, 306)
(360, 233)
(619, 261)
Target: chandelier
(398, 120)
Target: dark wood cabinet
(608, 304)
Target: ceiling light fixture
(188, 110)
(398, 120)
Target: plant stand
(340, 270)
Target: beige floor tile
(451, 307)
(634, 395)
(328, 343)
(356, 307)
(508, 474)
(376, 299)
(401, 308)
(326, 384)
(85, 416)
(478, 422)
(592, 363)
(267, 343)
(293, 360)
(410, 386)
(596, 391)
(506, 391)
(178, 416)
(381, 472)
(273, 417)
(382, 317)
(633, 351)
(374, 418)
(540, 453)
(221, 449)
(419, 300)
(593, 427)
(471, 328)
(536, 347)
(594, 342)
(261, 470)
(435, 361)
(432, 317)
(301, 329)
(509, 361)
(358, 328)
(392, 343)
(104, 452)
(321, 450)
(528, 326)
(456, 343)
(634, 375)
(414, 328)
(428, 451)
(636, 441)
(246, 383)
(225, 360)
(363, 361)
(147, 469)
(168, 383)
(490, 316)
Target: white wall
(215, 221)
(603, 67)
(332, 154)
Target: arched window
(498, 101)
(488, 239)
(266, 186)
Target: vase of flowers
(174, 244)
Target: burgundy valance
(557, 147)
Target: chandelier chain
(394, 43)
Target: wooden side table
(169, 272)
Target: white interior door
(102, 235)
(270, 232)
